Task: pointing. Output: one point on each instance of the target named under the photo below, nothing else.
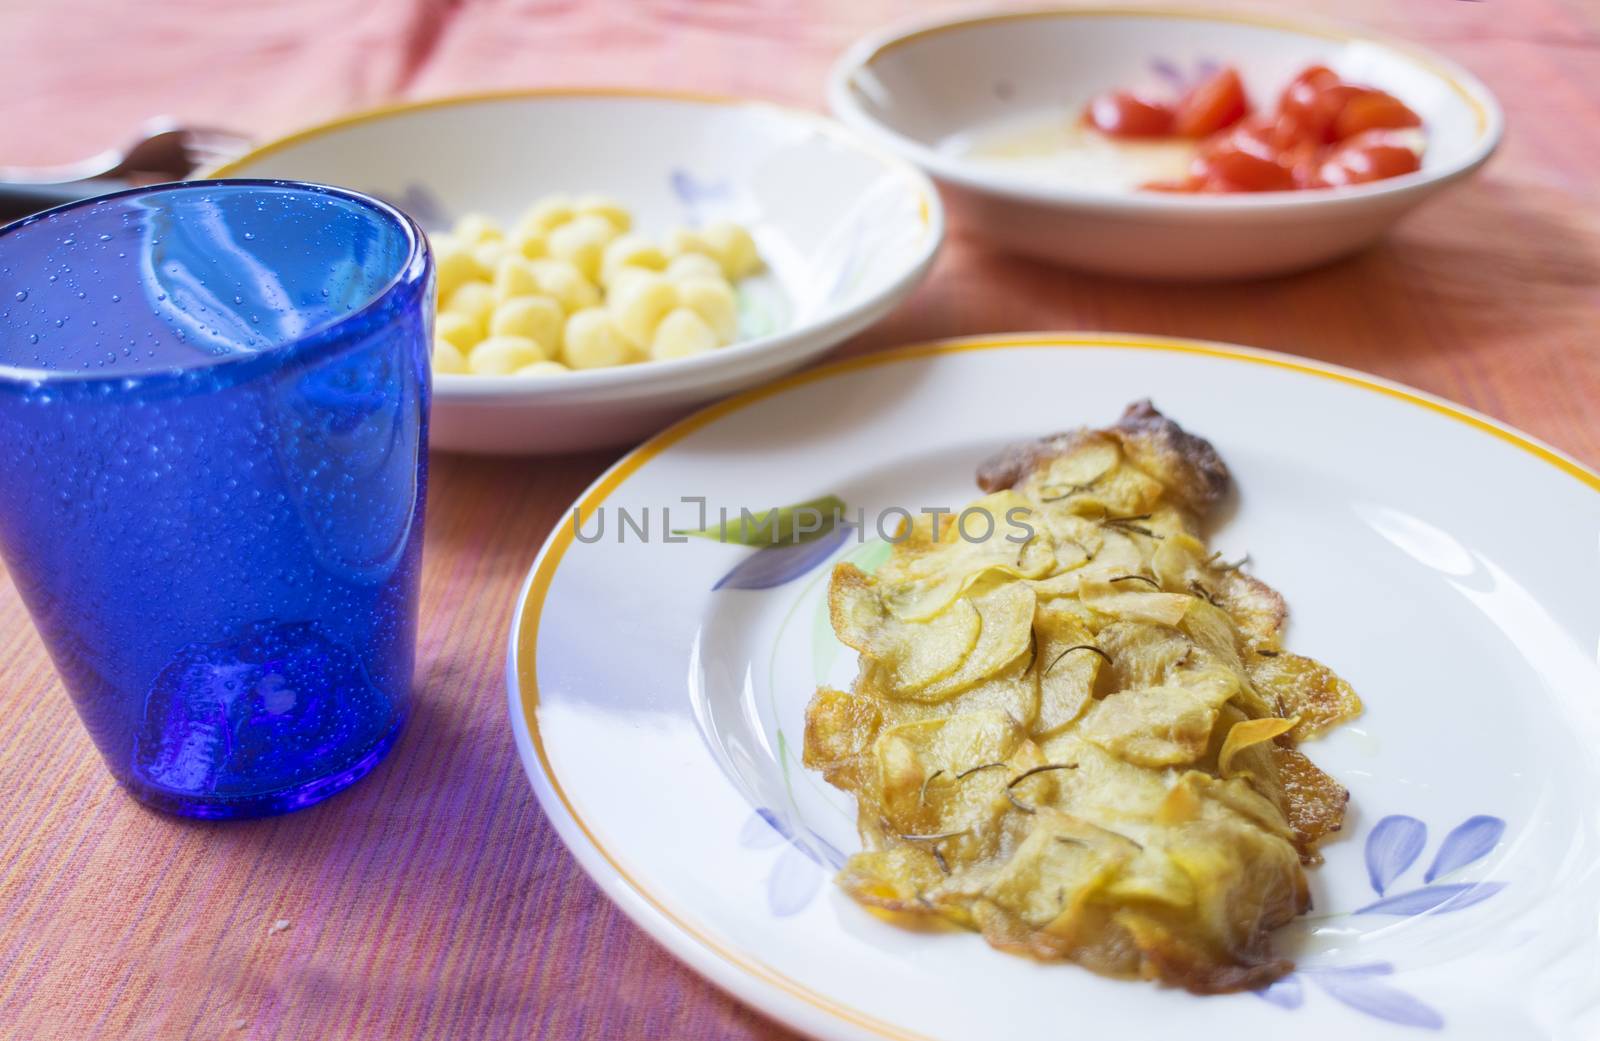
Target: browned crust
(1171, 958)
(1257, 608)
(1187, 465)
(1314, 802)
(1008, 467)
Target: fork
(164, 150)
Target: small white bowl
(847, 230)
(923, 89)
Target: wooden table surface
(433, 899)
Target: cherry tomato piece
(1243, 171)
(1370, 156)
(1312, 78)
(1372, 110)
(1124, 114)
(1218, 102)
(1322, 113)
(1304, 163)
(1325, 132)
(1243, 159)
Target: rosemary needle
(1079, 647)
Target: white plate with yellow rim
(847, 230)
(989, 104)
(1441, 562)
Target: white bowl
(846, 228)
(919, 89)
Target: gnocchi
(458, 330)
(454, 266)
(582, 242)
(542, 368)
(447, 357)
(681, 334)
(630, 251)
(639, 303)
(562, 280)
(537, 318)
(515, 277)
(571, 285)
(475, 302)
(501, 355)
(592, 341)
(693, 265)
(712, 299)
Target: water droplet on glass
(105, 237)
(249, 235)
(116, 298)
(22, 294)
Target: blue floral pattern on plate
(797, 874)
(774, 565)
(1180, 81)
(1359, 986)
(695, 195)
(1393, 846)
(421, 203)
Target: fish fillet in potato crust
(1078, 735)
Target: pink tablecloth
(433, 899)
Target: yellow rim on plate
(233, 167)
(525, 637)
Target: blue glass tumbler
(213, 432)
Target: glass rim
(410, 274)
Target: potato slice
(893, 879)
(909, 655)
(1247, 733)
(1141, 654)
(1067, 664)
(1060, 864)
(1133, 597)
(840, 729)
(1256, 607)
(923, 581)
(1314, 802)
(944, 781)
(1006, 634)
(1306, 689)
(1160, 726)
(1200, 796)
(1096, 458)
(1013, 690)
(1246, 882)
